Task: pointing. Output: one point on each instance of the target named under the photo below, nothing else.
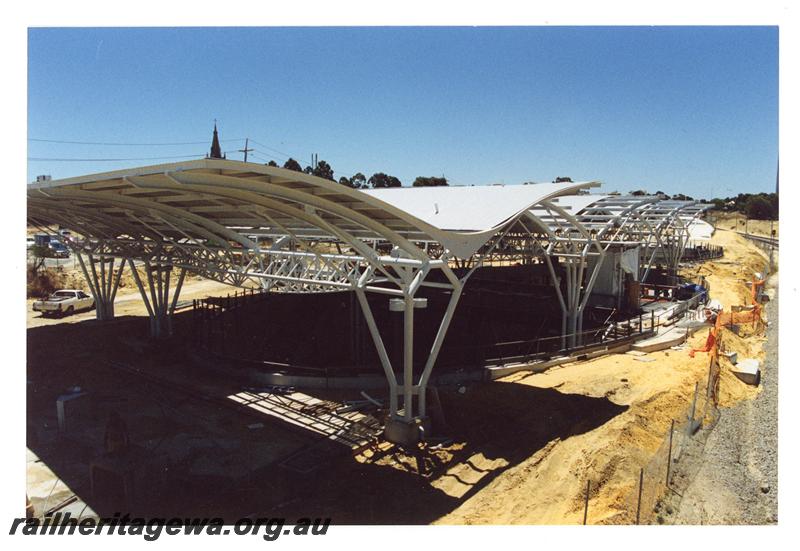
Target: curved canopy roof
(222, 202)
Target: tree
(560, 179)
(379, 179)
(345, 181)
(638, 192)
(682, 197)
(323, 170)
(429, 181)
(773, 200)
(291, 164)
(358, 181)
(272, 163)
(39, 254)
(758, 207)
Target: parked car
(41, 239)
(64, 302)
(31, 241)
(57, 249)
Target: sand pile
(730, 276)
(548, 487)
(735, 222)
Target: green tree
(345, 182)
(381, 180)
(272, 163)
(429, 181)
(291, 164)
(560, 179)
(358, 181)
(323, 170)
(758, 207)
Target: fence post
(669, 454)
(639, 501)
(690, 429)
(586, 503)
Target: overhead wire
(269, 154)
(75, 159)
(130, 144)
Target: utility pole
(245, 150)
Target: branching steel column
(103, 288)
(159, 307)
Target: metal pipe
(177, 291)
(138, 281)
(408, 357)
(381, 349)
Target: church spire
(216, 151)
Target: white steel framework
(251, 225)
(246, 225)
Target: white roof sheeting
(226, 201)
(575, 204)
(700, 230)
(470, 208)
(468, 216)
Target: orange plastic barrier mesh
(710, 342)
(728, 318)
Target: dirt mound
(730, 221)
(730, 276)
(44, 282)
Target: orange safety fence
(729, 318)
(710, 342)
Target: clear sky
(689, 110)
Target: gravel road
(738, 480)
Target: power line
(131, 144)
(271, 149)
(60, 160)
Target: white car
(64, 302)
(30, 241)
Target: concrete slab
(692, 326)
(666, 337)
(748, 371)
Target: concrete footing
(748, 371)
(406, 433)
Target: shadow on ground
(203, 456)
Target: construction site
(266, 342)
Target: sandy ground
(737, 481)
(129, 300)
(739, 223)
(549, 486)
(522, 448)
(730, 276)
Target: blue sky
(678, 109)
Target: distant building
(216, 151)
